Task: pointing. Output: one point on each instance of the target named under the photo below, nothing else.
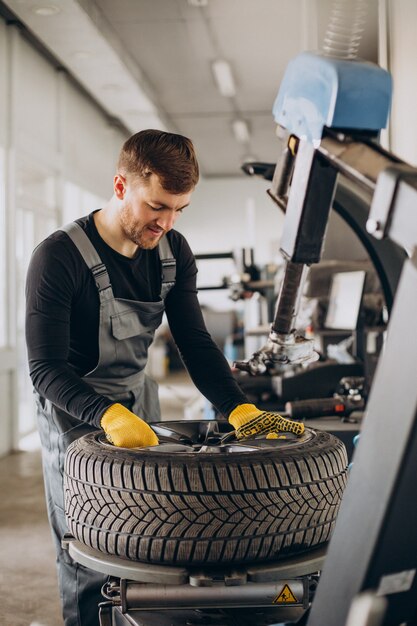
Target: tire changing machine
(332, 111)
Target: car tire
(204, 503)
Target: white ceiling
(148, 62)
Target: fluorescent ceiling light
(224, 78)
(46, 11)
(241, 130)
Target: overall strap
(91, 258)
(168, 266)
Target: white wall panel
(3, 143)
(90, 144)
(3, 82)
(35, 103)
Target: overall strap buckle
(101, 277)
(169, 270)
(168, 267)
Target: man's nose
(167, 220)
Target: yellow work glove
(248, 421)
(125, 429)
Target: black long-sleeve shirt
(62, 320)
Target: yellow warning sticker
(285, 597)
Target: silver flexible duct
(346, 25)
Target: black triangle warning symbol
(285, 597)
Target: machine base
(142, 594)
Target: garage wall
(7, 352)
(402, 54)
(227, 215)
(57, 157)
(231, 213)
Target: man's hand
(248, 421)
(125, 429)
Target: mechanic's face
(148, 210)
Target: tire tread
(162, 510)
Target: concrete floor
(27, 575)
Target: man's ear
(119, 186)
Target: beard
(137, 231)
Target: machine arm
(307, 202)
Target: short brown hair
(168, 155)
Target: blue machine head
(319, 91)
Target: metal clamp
(280, 350)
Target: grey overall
(126, 329)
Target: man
(96, 292)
